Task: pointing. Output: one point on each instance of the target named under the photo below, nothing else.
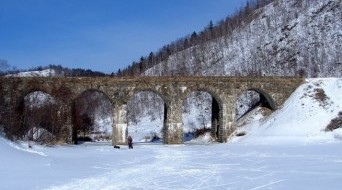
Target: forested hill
(264, 38)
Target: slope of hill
(284, 38)
(303, 118)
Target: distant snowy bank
(42, 73)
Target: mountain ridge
(286, 38)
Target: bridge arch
(38, 116)
(143, 101)
(252, 98)
(93, 90)
(266, 96)
(92, 116)
(216, 122)
(213, 93)
(164, 97)
(21, 99)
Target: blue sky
(102, 35)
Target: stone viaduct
(173, 91)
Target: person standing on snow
(130, 142)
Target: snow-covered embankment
(303, 117)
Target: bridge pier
(228, 124)
(173, 126)
(71, 136)
(216, 118)
(120, 126)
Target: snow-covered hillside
(42, 73)
(304, 116)
(285, 38)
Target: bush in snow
(241, 133)
(41, 135)
(335, 123)
(202, 131)
(154, 137)
(320, 95)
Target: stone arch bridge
(173, 91)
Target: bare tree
(4, 66)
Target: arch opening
(201, 116)
(92, 117)
(146, 117)
(252, 105)
(41, 118)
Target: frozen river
(213, 166)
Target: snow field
(215, 166)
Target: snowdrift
(12, 149)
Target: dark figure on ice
(130, 142)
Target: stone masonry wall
(173, 91)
